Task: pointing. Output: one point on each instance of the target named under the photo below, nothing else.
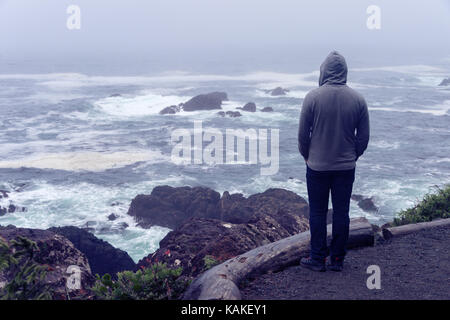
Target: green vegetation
(157, 282)
(28, 277)
(210, 261)
(433, 206)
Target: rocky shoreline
(207, 229)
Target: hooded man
(333, 134)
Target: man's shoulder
(356, 94)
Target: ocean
(80, 143)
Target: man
(333, 134)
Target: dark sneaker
(312, 264)
(335, 264)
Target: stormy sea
(79, 142)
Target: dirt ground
(415, 266)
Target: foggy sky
(158, 26)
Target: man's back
(334, 123)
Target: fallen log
(389, 233)
(221, 282)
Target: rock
(170, 110)
(267, 109)
(233, 114)
(277, 91)
(367, 204)
(4, 194)
(170, 207)
(102, 256)
(208, 101)
(249, 107)
(234, 224)
(3, 211)
(445, 82)
(112, 217)
(58, 254)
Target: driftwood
(221, 282)
(389, 233)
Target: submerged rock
(102, 256)
(232, 114)
(445, 82)
(267, 109)
(279, 91)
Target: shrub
(157, 282)
(28, 277)
(210, 261)
(433, 206)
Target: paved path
(415, 266)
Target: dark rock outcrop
(170, 110)
(102, 256)
(249, 107)
(170, 207)
(55, 252)
(220, 228)
(209, 101)
(277, 91)
(367, 204)
(445, 82)
(267, 109)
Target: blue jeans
(319, 185)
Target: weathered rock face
(208, 101)
(102, 256)
(445, 82)
(234, 224)
(277, 91)
(249, 107)
(58, 254)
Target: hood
(333, 70)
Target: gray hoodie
(334, 121)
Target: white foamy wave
(436, 110)
(408, 69)
(89, 205)
(382, 144)
(147, 104)
(84, 161)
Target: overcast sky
(158, 26)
